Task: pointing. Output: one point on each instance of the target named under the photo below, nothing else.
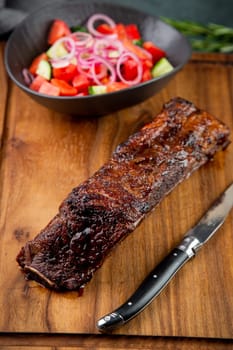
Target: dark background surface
(221, 12)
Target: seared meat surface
(104, 209)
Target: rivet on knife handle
(162, 274)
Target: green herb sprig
(208, 38)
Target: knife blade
(154, 283)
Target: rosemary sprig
(209, 38)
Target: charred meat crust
(104, 209)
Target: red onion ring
(104, 46)
(85, 62)
(82, 39)
(100, 17)
(60, 62)
(103, 70)
(100, 46)
(89, 73)
(121, 59)
(109, 67)
(63, 61)
(27, 76)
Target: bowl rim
(99, 3)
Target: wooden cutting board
(45, 154)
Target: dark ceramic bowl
(29, 39)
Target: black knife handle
(147, 291)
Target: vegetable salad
(101, 57)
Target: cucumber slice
(44, 69)
(57, 51)
(138, 42)
(97, 89)
(161, 67)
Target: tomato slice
(58, 29)
(37, 82)
(147, 64)
(135, 49)
(64, 88)
(117, 85)
(146, 75)
(104, 28)
(132, 32)
(154, 50)
(81, 83)
(49, 89)
(120, 30)
(65, 73)
(129, 69)
(35, 63)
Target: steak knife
(194, 239)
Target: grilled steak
(104, 209)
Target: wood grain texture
(99, 342)
(46, 154)
(3, 101)
(4, 88)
